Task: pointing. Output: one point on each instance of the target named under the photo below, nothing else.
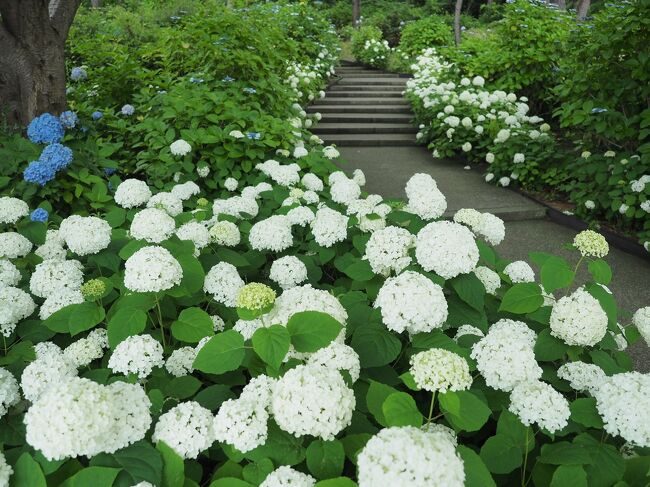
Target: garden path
(366, 116)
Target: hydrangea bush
(298, 331)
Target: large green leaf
(548, 348)
(95, 476)
(464, 410)
(584, 412)
(470, 289)
(375, 397)
(325, 458)
(556, 274)
(375, 345)
(272, 344)
(476, 473)
(27, 473)
(400, 410)
(600, 271)
(501, 455)
(173, 466)
(124, 323)
(222, 353)
(569, 476)
(192, 325)
(564, 453)
(522, 298)
(312, 330)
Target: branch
(62, 14)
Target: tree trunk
(583, 9)
(95, 3)
(561, 4)
(457, 10)
(32, 58)
(489, 2)
(356, 12)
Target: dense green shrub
(421, 34)
(604, 79)
(369, 48)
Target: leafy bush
(368, 47)
(604, 80)
(428, 32)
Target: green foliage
(368, 47)
(421, 34)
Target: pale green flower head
(255, 296)
(93, 289)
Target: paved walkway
(363, 128)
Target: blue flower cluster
(39, 215)
(97, 115)
(128, 110)
(45, 129)
(228, 79)
(54, 158)
(69, 119)
(254, 135)
(250, 90)
(78, 74)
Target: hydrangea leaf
(569, 476)
(548, 348)
(608, 465)
(584, 412)
(192, 325)
(375, 397)
(256, 472)
(325, 458)
(337, 482)
(400, 410)
(476, 473)
(600, 271)
(464, 410)
(312, 330)
(272, 344)
(470, 289)
(173, 466)
(230, 482)
(222, 353)
(27, 473)
(353, 445)
(556, 274)
(564, 453)
(124, 323)
(522, 298)
(95, 476)
(501, 455)
(141, 463)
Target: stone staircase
(365, 107)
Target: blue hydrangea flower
(45, 129)
(38, 173)
(56, 156)
(68, 119)
(128, 110)
(250, 90)
(598, 110)
(97, 115)
(228, 79)
(254, 135)
(109, 171)
(39, 215)
(78, 74)
(196, 80)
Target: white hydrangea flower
(14, 245)
(152, 269)
(288, 271)
(9, 273)
(338, 356)
(491, 228)
(301, 215)
(489, 158)
(231, 184)
(5, 471)
(56, 274)
(273, 233)
(424, 198)
(225, 233)
(299, 152)
(312, 400)
(330, 152)
(519, 271)
(329, 227)
(537, 402)
(224, 283)
(505, 356)
(345, 191)
(12, 209)
(186, 428)
(440, 370)
(137, 354)
(203, 171)
(180, 362)
(446, 248)
(591, 244)
(283, 174)
(387, 250)
(582, 376)
(242, 423)
(196, 233)
(132, 193)
(359, 177)
(312, 182)
(58, 299)
(237, 134)
(578, 319)
(168, 202)
(53, 247)
(408, 456)
(286, 476)
(641, 319)
(411, 302)
(186, 190)
(518, 158)
(83, 351)
(9, 391)
(152, 225)
(468, 330)
(623, 401)
(490, 279)
(180, 147)
(236, 206)
(15, 305)
(49, 368)
(218, 323)
(90, 418)
(85, 235)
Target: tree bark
(457, 10)
(561, 4)
(95, 3)
(356, 12)
(583, 9)
(32, 58)
(489, 2)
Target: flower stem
(433, 400)
(160, 322)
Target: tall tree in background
(457, 10)
(32, 59)
(583, 9)
(356, 12)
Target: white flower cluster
(15, 305)
(58, 299)
(12, 209)
(408, 456)
(85, 235)
(537, 402)
(411, 302)
(578, 319)
(464, 330)
(79, 417)
(338, 356)
(312, 400)
(53, 247)
(49, 368)
(236, 206)
(446, 248)
(344, 190)
(14, 245)
(285, 476)
(224, 283)
(387, 250)
(582, 376)
(168, 202)
(490, 279)
(181, 361)
(288, 271)
(9, 392)
(56, 274)
(9, 273)
(329, 227)
(505, 356)
(152, 269)
(312, 182)
(484, 225)
(641, 319)
(273, 233)
(284, 175)
(519, 271)
(370, 211)
(186, 190)
(424, 198)
(301, 216)
(180, 147)
(83, 351)
(225, 233)
(137, 354)
(153, 225)
(5, 471)
(623, 401)
(132, 193)
(591, 244)
(186, 428)
(440, 370)
(196, 233)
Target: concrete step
(369, 140)
(334, 108)
(366, 94)
(366, 118)
(361, 87)
(369, 74)
(363, 101)
(372, 81)
(364, 128)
